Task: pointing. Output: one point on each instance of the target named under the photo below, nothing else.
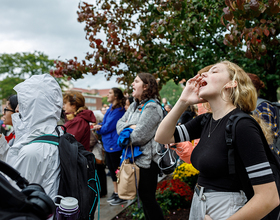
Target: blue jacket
(108, 130)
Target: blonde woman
(228, 90)
(78, 117)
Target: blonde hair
(266, 129)
(244, 95)
(77, 99)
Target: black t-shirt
(210, 156)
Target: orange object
(184, 149)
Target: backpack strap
(46, 138)
(151, 100)
(13, 174)
(231, 142)
(230, 138)
(205, 119)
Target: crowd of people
(224, 88)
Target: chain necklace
(210, 132)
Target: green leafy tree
(7, 85)
(171, 91)
(24, 65)
(170, 39)
(255, 25)
(104, 101)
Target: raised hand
(191, 91)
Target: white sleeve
(4, 147)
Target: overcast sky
(48, 26)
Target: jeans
(147, 192)
(218, 205)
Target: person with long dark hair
(107, 130)
(144, 116)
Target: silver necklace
(210, 132)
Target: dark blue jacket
(108, 130)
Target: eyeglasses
(9, 110)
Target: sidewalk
(107, 211)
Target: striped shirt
(210, 156)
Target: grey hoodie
(143, 135)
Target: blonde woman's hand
(190, 92)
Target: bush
(187, 174)
(173, 194)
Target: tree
(256, 25)
(24, 65)
(104, 101)
(171, 91)
(7, 85)
(170, 39)
(167, 39)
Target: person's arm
(111, 122)
(123, 121)
(4, 147)
(189, 96)
(264, 201)
(251, 150)
(146, 127)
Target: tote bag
(128, 178)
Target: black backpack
(31, 203)
(276, 106)
(78, 174)
(235, 163)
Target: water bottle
(68, 209)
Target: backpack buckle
(229, 141)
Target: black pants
(102, 178)
(147, 192)
(113, 160)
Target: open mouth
(202, 83)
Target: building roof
(101, 92)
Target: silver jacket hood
(40, 104)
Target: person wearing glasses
(10, 109)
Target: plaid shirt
(267, 112)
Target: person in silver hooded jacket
(40, 104)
